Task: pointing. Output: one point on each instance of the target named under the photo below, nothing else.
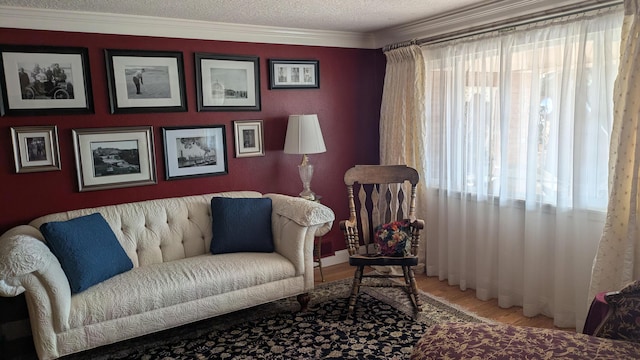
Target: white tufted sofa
(175, 280)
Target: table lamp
(304, 137)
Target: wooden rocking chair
(380, 195)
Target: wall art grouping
(116, 157)
(45, 80)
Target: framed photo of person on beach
(145, 81)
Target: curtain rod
(522, 20)
(510, 23)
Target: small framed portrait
(249, 138)
(145, 81)
(108, 158)
(294, 74)
(35, 148)
(44, 80)
(227, 83)
(194, 151)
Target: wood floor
(465, 299)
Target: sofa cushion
(87, 249)
(185, 281)
(393, 239)
(241, 225)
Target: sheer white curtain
(618, 258)
(517, 144)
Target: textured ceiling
(339, 15)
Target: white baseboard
(340, 256)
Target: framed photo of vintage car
(145, 81)
(227, 82)
(45, 80)
(194, 151)
(108, 158)
(249, 138)
(35, 148)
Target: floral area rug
(384, 327)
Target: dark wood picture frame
(45, 80)
(227, 82)
(294, 74)
(195, 151)
(145, 81)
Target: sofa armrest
(296, 222)
(27, 265)
(303, 212)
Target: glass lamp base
(306, 173)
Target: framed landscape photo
(194, 151)
(294, 74)
(45, 80)
(108, 158)
(249, 138)
(145, 81)
(35, 148)
(227, 83)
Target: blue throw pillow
(241, 225)
(87, 249)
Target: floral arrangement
(393, 239)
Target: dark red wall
(347, 104)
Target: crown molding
(120, 24)
(476, 16)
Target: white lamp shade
(304, 135)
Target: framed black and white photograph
(108, 158)
(249, 138)
(194, 151)
(35, 148)
(45, 80)
(294, 74)
(227, 83)
(145, 81)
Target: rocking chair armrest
(418, 224)
(344, 224)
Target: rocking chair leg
(414, 290)
(355, 288)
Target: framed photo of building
(194, 151)
(35, 148)
(227, 82)
(249, 138)
(145, 81)
(45, 80)
(294, 74)
(108, 158)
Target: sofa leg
(303, 299)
